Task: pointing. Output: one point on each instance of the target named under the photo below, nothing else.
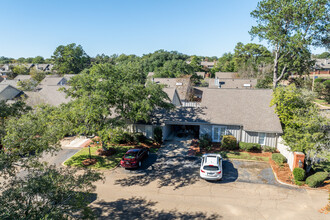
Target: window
(262, 138)
(218, 132)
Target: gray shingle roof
(226, 75)
(182, 85)
(322, 64)
(8, 92)
(48, 95)
(233, 83)
(248, 108)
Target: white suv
(211, 167)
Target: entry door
(218, 132)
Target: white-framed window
(218, 132)
(261, 138)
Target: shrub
(229, 142)
(269, 149)
(250, 147)
(317, 179)
(299, 174)
(205, 141)
(158, 134)
(140, 137)
(299, 183)
(279, 158)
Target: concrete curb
(286, 184)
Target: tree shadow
(140, 208)
(177, 172)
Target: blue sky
(208, 27)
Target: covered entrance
(181, 131)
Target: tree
(249, 58)
(291, 27)
(324, 55)
(47, 192)
(304, 129)
(225, 63)
(35, 190)
(20, 70)
(107, 90)
(38, 60)
(70, 59)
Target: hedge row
(278, 158)
(317, 179)
(250, 147)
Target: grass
(322, 102)
(103, 162)
(241, 155)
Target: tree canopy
(70, 59)
(291, 27)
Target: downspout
(276, 137)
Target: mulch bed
(89, 162)
(283, 173)
(108, 152)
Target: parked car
(211, 167)
(133, 157)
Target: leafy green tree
(27, 84)
(35, 190)
(324, 55)
(225, 63)
(174, 69)
(304, 129)
(38, 59)
(20, 70)
(37, 75)
(290, 27)
(70, 59)
(47, 192)
(6, 60)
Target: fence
(285, 151)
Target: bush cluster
(205, 141)
(299, 174)
(317, 179)
(278, 158)
(269, 149)
(250, 147)
(158, 134)
(229, 142)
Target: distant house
(182, 85)
(44, 67)
(47, 95)
(56, 80)
(232, 83)
(14, 82)
(201, 74)
(226, 75)
(245, 114)
(208, 64)
(322, 66)
(8, 92)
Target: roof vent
(247, 85)
(179, 84)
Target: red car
(133, 157)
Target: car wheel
(140, 163)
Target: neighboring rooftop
(322, 64)
(8, 92)
(226, 75)
(182, 85)
(233, 83)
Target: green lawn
(241, 155)
(322, 102)
(103, 162)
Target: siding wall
(231, 130)
(252, 137)
(146, 130)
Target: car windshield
(130, 155)
(211, 168)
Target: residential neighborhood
(112, 127)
